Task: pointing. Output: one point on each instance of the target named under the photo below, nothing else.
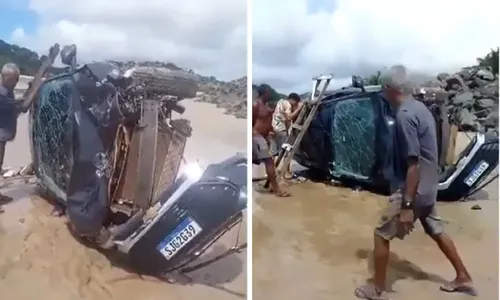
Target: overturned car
(106, 148)
(351, 137)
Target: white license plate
(476, 173)
(180, 237)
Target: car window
(51, 131)
(353, 134)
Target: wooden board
(452, 141)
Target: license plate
(180, 237)
(476, 173)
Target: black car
(106, 148)
(351, 137)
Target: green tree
(490, 60)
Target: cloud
(291, 45)
(208, 36)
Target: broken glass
(354, 136)
(52, 130)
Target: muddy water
(39, 259)
(317, 245)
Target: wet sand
(317, 244)
(39, 259)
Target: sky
(295, 40)
(207, 36)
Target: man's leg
(262, 154)
(433, 226)
(386, 230)
(3, 199)
(2, 154)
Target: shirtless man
(261, 129)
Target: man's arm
(296, 112)
(408, 130)
(24, 104)
(255, 110)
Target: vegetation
(373, 79)
(27, 60)
(490, 60)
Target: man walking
(261, 128)
(285, 112)
(414, 187)
(9, 111)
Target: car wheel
(164, 81)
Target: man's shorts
(388, 226)
(277, 140)
(260, 150)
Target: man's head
(10, 75)
(294, 99)
(396, 84)
(264, 92)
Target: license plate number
(476, 173)
(180, 237)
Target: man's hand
(406, 220)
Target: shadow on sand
(399, 269)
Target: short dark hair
(262, 89)
(294, 96)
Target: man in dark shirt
(414, 187)
(10, 108)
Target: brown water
(39, 259)
(317, 245)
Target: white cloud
(208, 36)
(360, 36)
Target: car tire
(183, 126)
(164, 81)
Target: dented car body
(106, 147)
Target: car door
(353, 136)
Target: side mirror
(68, 56)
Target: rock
(230, 96)
(463, 99)
(467, 121)
(484, 103)
(485, 74)
(474, 97)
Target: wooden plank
(452, 140)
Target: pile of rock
(471, 97)
(232, 96)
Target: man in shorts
(261, 128)
(284, 114)
(414, 187)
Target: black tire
(167, 82)
(183, 126)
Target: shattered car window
(354, 135)
(52, 129)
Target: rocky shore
(471, 96)
(232, 96)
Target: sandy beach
(39, 259)
(317, 244)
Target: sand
(317, 245)
(39, 259)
